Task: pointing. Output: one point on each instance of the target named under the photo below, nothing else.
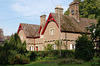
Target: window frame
(53, 31)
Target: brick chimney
(1, 35)
(42, 20)
(74, 10)
(59, 9)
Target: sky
(14, 12)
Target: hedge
(33, 55)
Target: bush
(50, 55)
(24, 60)
(13, 51)
(84, 48)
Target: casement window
(72, 46)
(38, 48)
(42, 47)
(51, 32)
(54, 47)
(31, 48)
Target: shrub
(13, 51)
(24, 59)
(84, 48)
(50, 55)
(11, 57)
(1, 48)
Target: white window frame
(38, 48)
(31, 48)
(72, 46)
(42, 47)
(52, 33)
(54, 46)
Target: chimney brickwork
(42, 20)
(74, 10)
(59, 9)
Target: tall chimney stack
(74, 10)
(42, 20)
(59, 9)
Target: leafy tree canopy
(88, 9)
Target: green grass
(55, 64)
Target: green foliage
(88, 9)
(1, 48)
(95, 35)
(49, 47)
(67, 12)
(92, 16)
(84, 48)
(50, 55)
(14, 51)
(57, 43)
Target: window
(54, 47)
(38, 48)
(51, 32)
(42, 47)
(31, 48)
(72, 46)
(72, 11)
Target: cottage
(71, 27)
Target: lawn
(54, 64)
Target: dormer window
(51, 32)
(72, 11)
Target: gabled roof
(69, 24)
(30, 30)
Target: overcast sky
(14, 12)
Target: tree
(95, 34)
(14, 51)
(88, 9)
(67, 12)
(84, 48)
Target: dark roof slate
(30, 30)
(70, 24)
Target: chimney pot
(59, 9)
